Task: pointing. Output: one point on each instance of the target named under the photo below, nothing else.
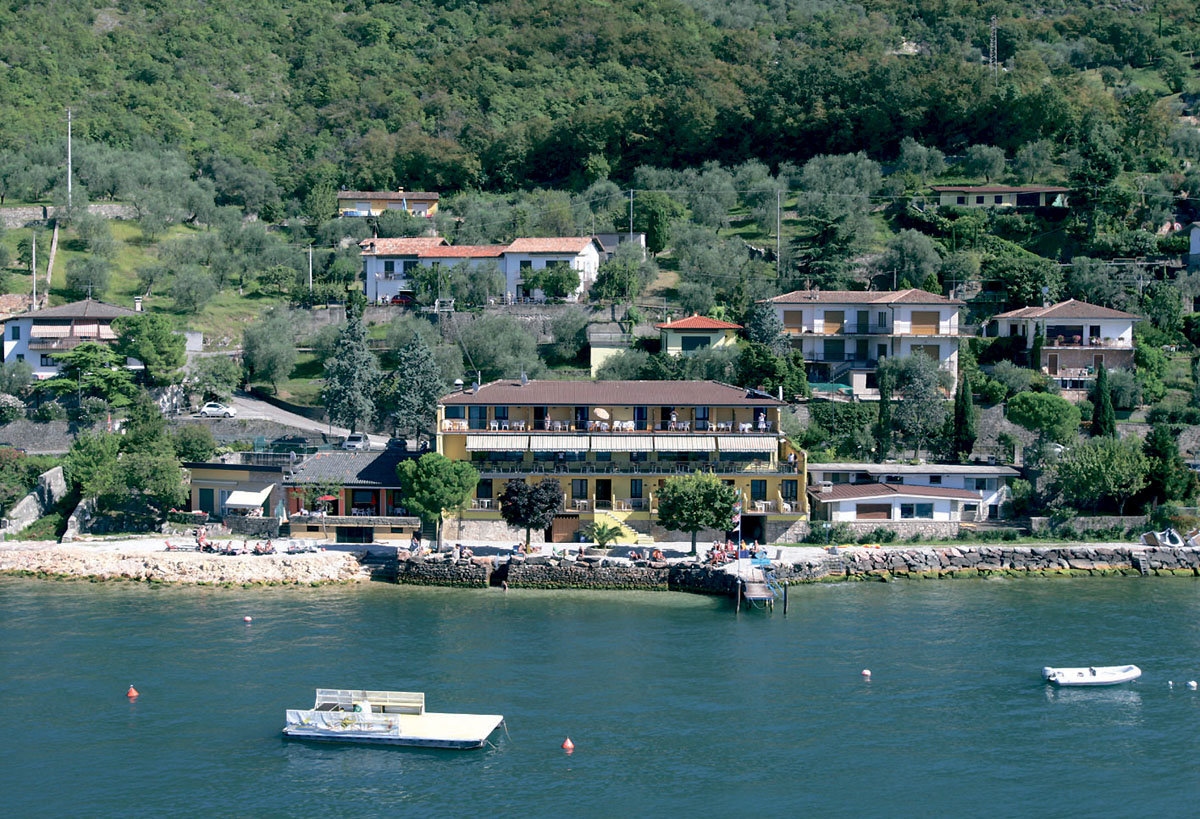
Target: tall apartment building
(612, 444)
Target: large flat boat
(1093, 675)
(387, 718)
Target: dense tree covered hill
(453, 94)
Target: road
(252, 408)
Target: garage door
(873, 511)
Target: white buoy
(247, 619)
(1192, 685)
(1170, 683)
(866, 672)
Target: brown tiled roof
(404, 246)
(910, 296)
(1000, 189)
(571, 244)
(461, 251)
(859, 491)
(421, 196)
(1070, 309)
(698, 322)
(88, 308)
(612, 393)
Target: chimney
(524, 378)
(826, 487)
(137, 304)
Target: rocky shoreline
(146, 561)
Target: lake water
(676, 706)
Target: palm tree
(602, 533)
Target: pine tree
(415, 388)
(883, 426)
(351, 375)
(764, 326)
(1104, 420)
(965, 427)
(1169, 478)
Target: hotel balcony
(735, 427)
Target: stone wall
(1090, 524)
(51, 488)
(22, 216)
(253, 527)
(493, 531)
(1014, 561)
(78, 522)
(437, 571)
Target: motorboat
(1166, 539)
(1092, 675)
(387, 718)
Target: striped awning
(685, 443)
(50, 330)
(558, 443)
(497, 443)
(622, 443)
(747, 443)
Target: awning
(747, 443)
(497, 443)
(685, 443)
(622, 443)
(248, 499)
(87, 330)
(558, 443)
(50, 330)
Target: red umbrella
(327, 497)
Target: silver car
(214, 410)
(356, 440)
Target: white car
(356, 440)
(214, 410)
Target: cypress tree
(1104, 419)
(1035, 352)
(965, 426)
(883, 425)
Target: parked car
(356, 440)
(214, 410)
(292, 443)
(405, 299)
(398, 443)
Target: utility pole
(631, 215)
(310, 268)
(778, 234)
(33, 264)
(993, 64)
(68, 159)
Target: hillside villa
(1002, 196)
(388, 263)
(844, 334)
(989, 482)
(373, 203)
(37, 336)
(1076, 338)
(688, 335)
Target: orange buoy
(132, 693)
(568, 745)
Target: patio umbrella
(601, 413)
(327, 497)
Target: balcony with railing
(737, 425)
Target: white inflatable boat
(1093, 675)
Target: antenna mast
(993, 64)
(68, 160)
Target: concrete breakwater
(182, 567)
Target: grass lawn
(304, 384)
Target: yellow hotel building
(612, 444)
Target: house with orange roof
(581, 253)
(688, 335)
(373, 203)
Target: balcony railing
(660, 468)
(1078, 341)
(601, 427)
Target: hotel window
(500, 413)
(916, 511)
(456, 412)
(477, 417)
(758, 490)
(635, 487)
(638, 457)
(579, 489)
(483, 489)
(639, 417)
(788, 489)
(15, 333)
(701, 418)
(47, 361)
(935, 480)
(603, 456)
(981, 485)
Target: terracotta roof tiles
(402, 246)
(698, 322)
(1070, 309)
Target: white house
(850, 502)
(990, 482)
(609, 242)
(1077, 338)
(580, 253)
(387, 263)
(844, 334)
(37, 336)
(1001, 196)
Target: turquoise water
(675, 705)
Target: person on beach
(415, 544)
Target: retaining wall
(51, 488)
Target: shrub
(49, 411)
(91, 411)
(11, 408)
(838, 533)
(880, 534)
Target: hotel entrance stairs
(627, 531)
